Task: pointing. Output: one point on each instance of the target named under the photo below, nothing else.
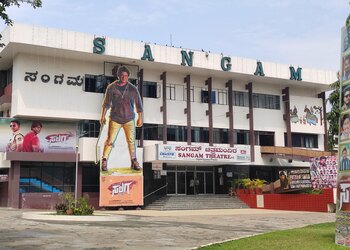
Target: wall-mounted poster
(295, 179)
(37, 136)
(323, 172)
(121, 179)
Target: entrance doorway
(190, 181)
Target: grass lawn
(319, 236)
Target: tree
(333, 115)
(4, 4)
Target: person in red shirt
(31, 141)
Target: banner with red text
(121, 190)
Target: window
(191, 94)
(89, 128)
(221, 135)
(204, 132)
(199, 134)
(303, 140)
(241, 137)
(222, 96)
(264, 138)
(153, 132)
(259, 100)
(273, 102)
(256, 101)
(266, 101)
(47, 177)
(240, 99)
(176, 133)
(205, 96)
(195, 134)
(170, 92)
(150, 89)
(97, 83)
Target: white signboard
(238, 153)
(157, 166)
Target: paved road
(145, 229)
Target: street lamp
(77, 163)
(76, 172)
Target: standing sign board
(342, 234)
(121, 175)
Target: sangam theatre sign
(169, 152)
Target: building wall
(53, 52)
(38, 99)
(293, 202)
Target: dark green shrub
(312, 191)
(61, 208)
(83, 207)
(69, 207)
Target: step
(196, 202)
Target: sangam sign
(238, 153)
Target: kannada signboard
(169, 152)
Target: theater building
(207, 117)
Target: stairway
(40, 185)
(196, 202)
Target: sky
(303, 33)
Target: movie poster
(342, 233)
(323, 172)
(294, 179)
(37, 136)
(121, 175)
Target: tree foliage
(5, 4)
(347, 22)
(333, 115)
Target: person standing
(15, 144)
(31, 141)
(121, 97)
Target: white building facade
(273, 114)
